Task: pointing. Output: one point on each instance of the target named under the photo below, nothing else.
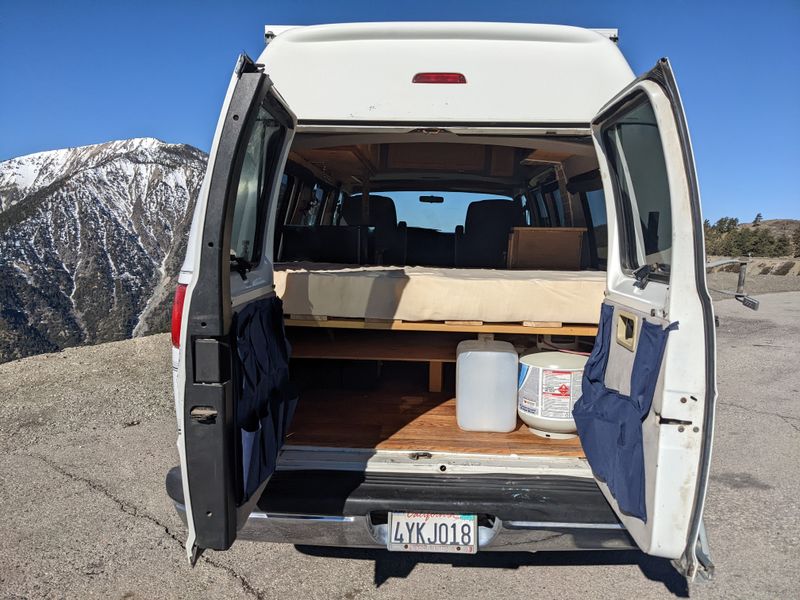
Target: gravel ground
(88, 434)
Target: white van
(375, 195)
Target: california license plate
(423, 532)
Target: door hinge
(696, 563)
(245, 64)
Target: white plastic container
(549, 386)
(486, 386)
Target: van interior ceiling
(390, 249)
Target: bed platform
(439, 299)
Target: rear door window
(263, 145)
(641, 186)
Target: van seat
(389, 237)
(324, 243)
(483, 241)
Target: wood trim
(577, 329)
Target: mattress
(439, 294)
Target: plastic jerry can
(486, 386)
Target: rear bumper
(520, 514)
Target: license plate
(422, 532)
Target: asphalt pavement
(86, 436)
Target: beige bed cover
(439, 294)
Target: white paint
(516, 73)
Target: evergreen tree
(796, 241)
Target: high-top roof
(515, 73)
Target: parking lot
(88, 434)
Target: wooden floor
(394, 420)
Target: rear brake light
(439, 78)
(177, 314)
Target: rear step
(526, 498)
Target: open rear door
(647, 413)
(231, 247)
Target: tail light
(439, 78)
(177, 314)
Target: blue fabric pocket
(266, 399)
(610, 424)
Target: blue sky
(82, 72)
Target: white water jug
(486, 386)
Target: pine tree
(796, 241)
(758, 219)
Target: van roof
(515, 73)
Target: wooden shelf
(373, 345)
(401, 346)
(577, 329)
(413, 421)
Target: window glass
(308, 205)
(559, 205)
(544, 214)
(526, 205)
(251, 192)
(596, 200)
(444, 216)
(639, 170)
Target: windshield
(443, 216)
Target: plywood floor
(392, 420)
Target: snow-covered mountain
(91, 239)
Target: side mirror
(432, 199)
(740, 295)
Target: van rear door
(232, 254)
(646, 417)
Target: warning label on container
(549, 393)
(556, 394)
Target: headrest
(493, 213)
(382, 212)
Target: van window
(541, 205)
(251, 192)
(444, 216)
(555, 197)
(639, 173)
(308, 206)
(596, 201)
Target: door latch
(205, 415)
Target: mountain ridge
(88, 235)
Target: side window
(596, 201)
(558, 206)
(639, 172)
(260, 152)
(331, 198)
(526, 207)
(544, 213)
(308, 206)
(337, 210)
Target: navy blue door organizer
(266, 400)
(609, 423)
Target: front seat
(389, 239)
(483, 240)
